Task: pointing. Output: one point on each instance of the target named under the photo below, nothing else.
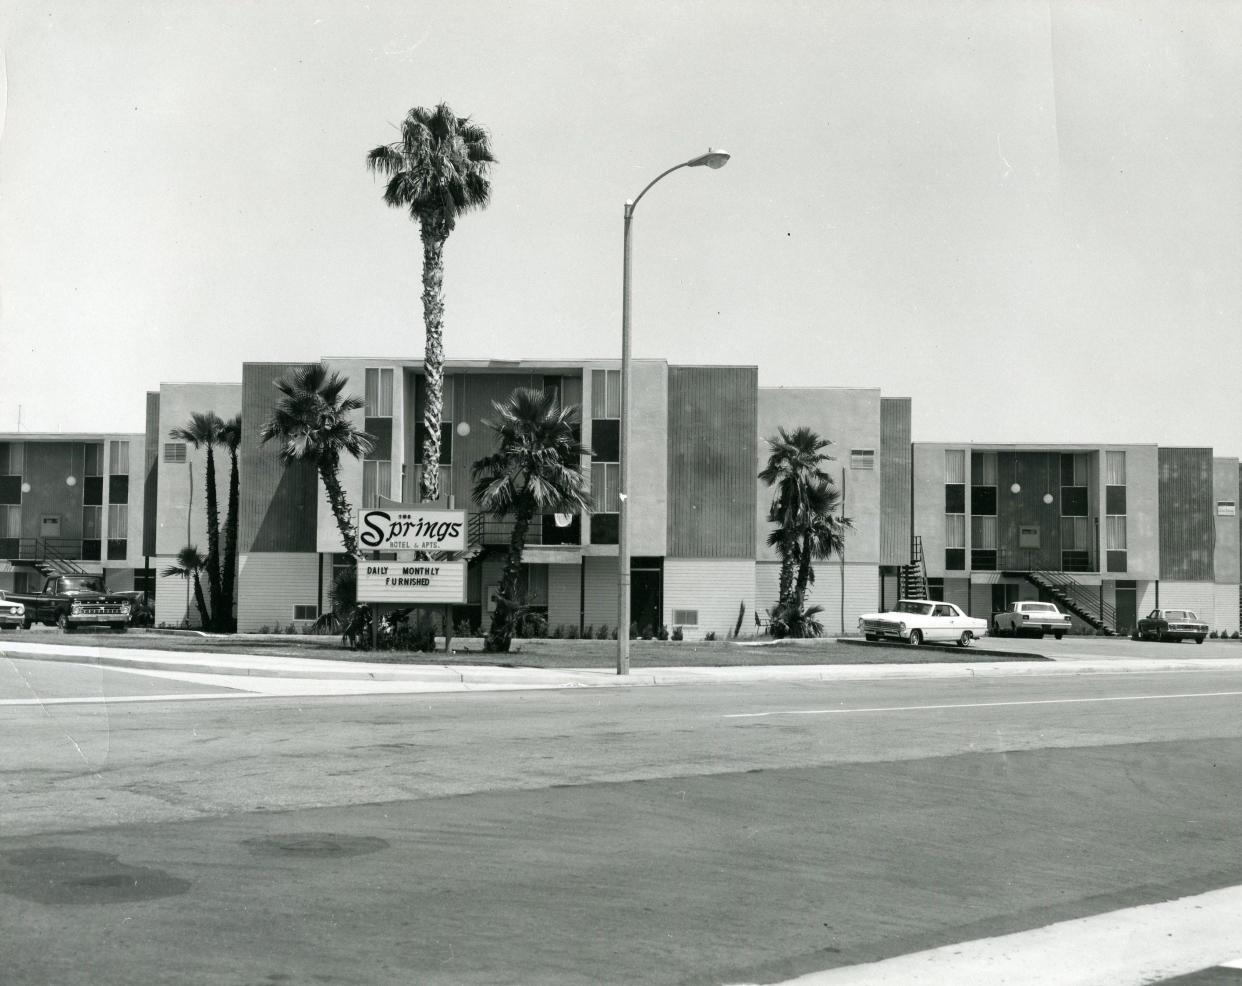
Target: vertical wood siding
(279, 504)
(862, 592)
(150, 466)
(1037, 473)
(1226, 599)
(1187, 530)
(712, 449)
(895, 468)
(601, 591)
(1225, 566)
(564, 594)
(270, 584)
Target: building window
(12, 458)
(1075, 544)
(92, 532)
(376, 482)
(983, 543)
(685, 617)
(605, 393)
(1115, 543)
(955, 542)
(118, 531)
(955, 481)
(174, 452)
(862, 458)
(1226, 508)
(10, 530)
(92, 455)
(118, 458)
(1075, 469)
(606, 455)
(303, 613)
(378, 392)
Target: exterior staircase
(1077, 598)
(912, 579)
(48, 556)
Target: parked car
(1172, 624)
(1031, 618)
(918, 620)
(72, 601)
(12, 612)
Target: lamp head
(713, 159)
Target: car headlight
(901, 626)
(124, 607)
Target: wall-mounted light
(463, 428)
(1047, 498)
(71, 481)
(25, 487)
(1016, 488)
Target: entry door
(1003, 596)
(647, 597)
(1127, 609)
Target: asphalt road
(712, 834)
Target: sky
(1026, 216)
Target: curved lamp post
(714, 160)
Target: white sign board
(412, 582)
(412, 528)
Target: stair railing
(1086, 604)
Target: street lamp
(714, 160)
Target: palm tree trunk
(804, 572)
(213, 544)
(789, 562)
(500, 633)
(340, 507)
(200, 602)
(228, 576)
(433, 235)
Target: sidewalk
(272, 675)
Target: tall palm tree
(536, 469)
(439, 171)
(203, 431)
(821, 533)
(230, 438)
(311, 421)
(795, 465)
(189, 564)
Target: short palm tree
(189, 564)
(795, 464)
(536, 469)
(203, 431)
(230, 438)
(821, 533)
(312, 422)
(438, 170)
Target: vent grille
(685, 617)
(174, 451)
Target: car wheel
(62, 621)
(965, 639)
(1198, 640)
(1040, 635)
(916, 638)
(1058, 636)
(869, 636)
(27, 624)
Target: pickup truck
(1031, 618)
(72, 601)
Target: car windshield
(1178, 614)
(919, 609)
(79, 585)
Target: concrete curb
(1016, 655)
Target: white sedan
(918, 620)
(12, 613)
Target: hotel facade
(1110, 531)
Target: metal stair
(912, 579)
(1077, 598)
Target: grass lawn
(541, 653)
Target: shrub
(589, 632)
(571, 632)
(633, 631)
(1234, 635)
(711, 635)
(1212, 635)
(677, 634)
(557, 631)
(663, 632)
(612, 634)
(647, 632)
(741, 612)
